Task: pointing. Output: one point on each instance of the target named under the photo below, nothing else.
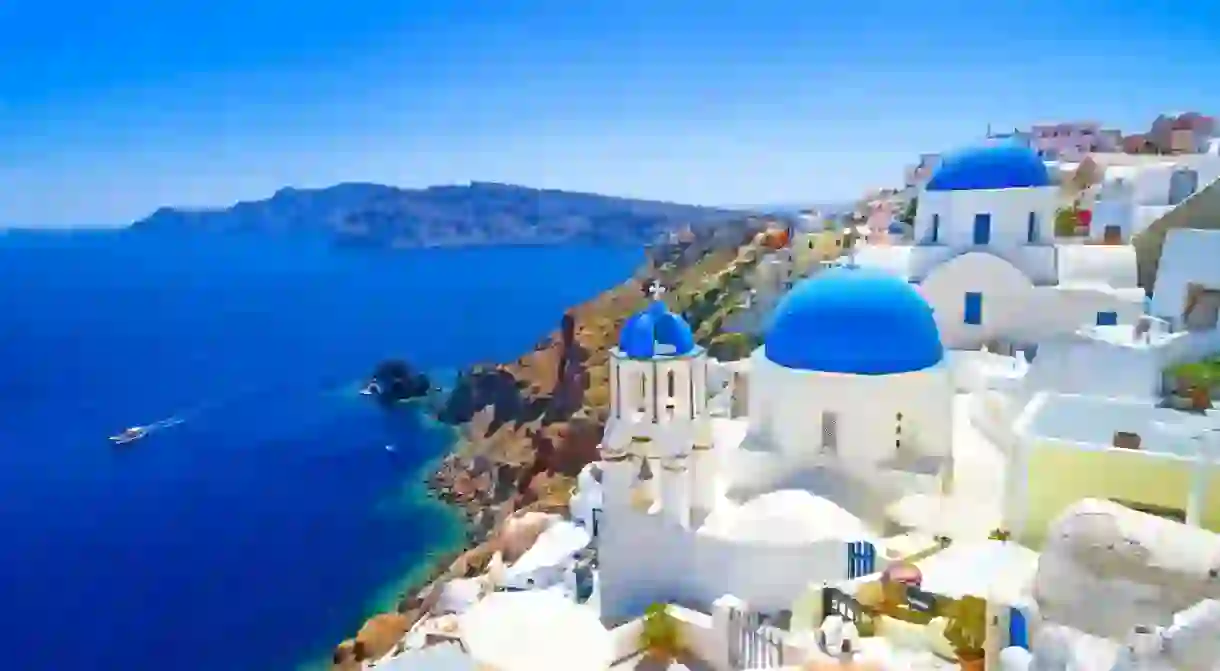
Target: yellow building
(811, 248)
(1073, 447)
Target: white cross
(656, 290)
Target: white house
(1136, 190)
(986, 259)
(848, 409)
(1126, 360)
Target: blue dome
(854, 320)
(655, 331)
(1000, 166)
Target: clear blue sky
(112, 108)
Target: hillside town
(972, 428)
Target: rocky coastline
(527, 427)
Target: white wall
(1005, 290)
(1080, 366)
(1013, 308)
(787, 406)
(1187, 256)
(1090, 422)
(644, 560)
(1009, 209)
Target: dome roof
(655, 331)
(999, 166)
(854, 320)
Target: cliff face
(530, 425)
(541, 417)
(480, 213)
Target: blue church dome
(854, 320)
(998, 166)
(655, 331)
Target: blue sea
(266, 519)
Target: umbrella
(535, 631)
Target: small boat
(130, 435)
(371, 389)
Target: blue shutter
(982, 229)
(973, 312)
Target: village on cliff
(973, 429)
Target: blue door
(1018, 631)
(982, 229)
(972, 311)
(861, 558)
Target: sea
(272, 507)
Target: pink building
(1073, 140)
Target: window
(935, 228)
(830, 431)
(1031, 234)
(1107, 318)
(973, 312)
(982, 228)
(811, 244)
(673, 387)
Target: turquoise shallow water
(262, 527)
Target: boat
(130, 435)
(371, 389)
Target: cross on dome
(655, 290)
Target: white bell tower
(658, 405)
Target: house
(1071, 140)
(1148, 458)
(1132, 192)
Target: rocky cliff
(479, 213)
(530, 425)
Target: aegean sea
(266, 518)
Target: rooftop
(1091, 422)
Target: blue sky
(113, 108)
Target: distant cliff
(476, 214)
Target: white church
(849, 409)
(986, 258)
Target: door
(1112, 235)
(830, 431)
(1018, 629)
(982, 229)
(972, 312)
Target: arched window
(643, 392)
(673, 384)
(1182, 183)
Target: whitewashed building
(699, 501)
(1136, 190)
(986, 259)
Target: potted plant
(966, 631)
(1000, 534)
(660, 637)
